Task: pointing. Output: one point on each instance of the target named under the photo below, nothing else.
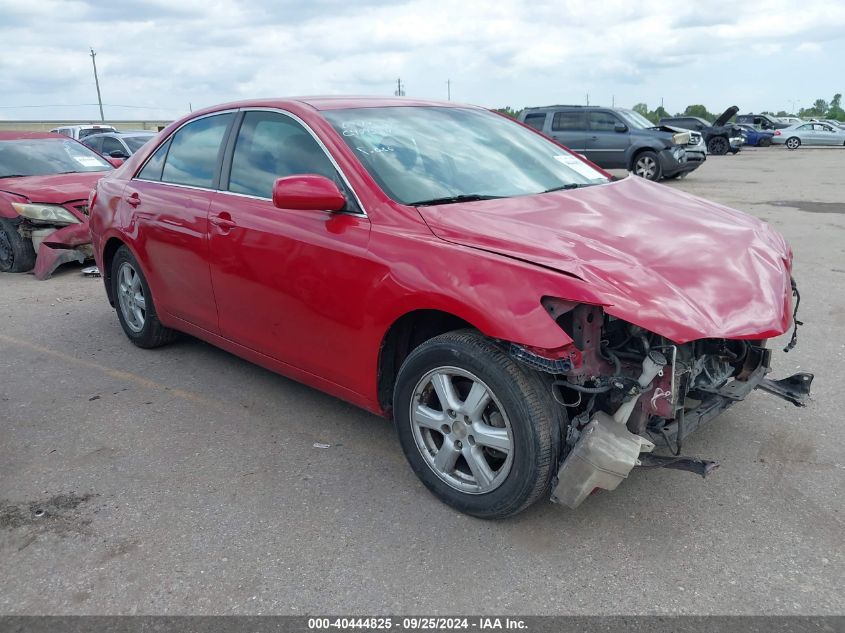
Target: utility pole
(400, 89)
(448, 89)
(613, 101)
(588, 98)
(97, 82)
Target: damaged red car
(532, 327)
(45, 183)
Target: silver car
(809, 134)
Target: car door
(289, 283)
(827, 135)
(570, 128)
(170, 198)
(606, 146)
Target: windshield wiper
(466, 197)
(571, 185)
(15, 175)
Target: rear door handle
(134, 199)
(223, 220)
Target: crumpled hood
(54, 189)
(662, 259)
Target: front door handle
(134, 199)
(223, 221)
(594, 138)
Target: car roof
(6, 135)
(330, 102)
(119, 134)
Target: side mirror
(308, 192)
(115, 162)
(620, 127)
(118, 154)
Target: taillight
(777, 132)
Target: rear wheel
(135, 308)
(718, 146)
(793, 142)
(647, 165)
(480, 430)
(17, 254)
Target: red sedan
(45, 182)
(531, 326)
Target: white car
(809, 134)
(79, 132)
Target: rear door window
(537, 120)
(152, 170)
(569, 120)
(195, 150)
(111, 144)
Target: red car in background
(531, 326)
(45, 183)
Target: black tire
(535, 421)
(793, 142)
(149, 332)
(765, 142)
(718, 146)
(16, 252)
(647, 165)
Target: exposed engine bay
(629, 391)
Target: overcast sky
(162, 55)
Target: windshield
(135, 142)
(46, 156)
(439, 155)
(636, 120)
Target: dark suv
(616, 138)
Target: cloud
(160, 55)
(809, 47)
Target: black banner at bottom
(407, 624)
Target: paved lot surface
(185, 480)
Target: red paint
(309, 192)
(311, 295)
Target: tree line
(821, 109)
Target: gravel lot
(185, 480)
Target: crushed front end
(629, 391)
(59, 233)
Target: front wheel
(479, 429)
(647, 166)
(718, 146)
(17, 254)
(793, 142)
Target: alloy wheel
(646, 167)
(461, 430)
(793, 143)
(130, 292)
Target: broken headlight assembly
(46, 213)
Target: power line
(79, 105)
